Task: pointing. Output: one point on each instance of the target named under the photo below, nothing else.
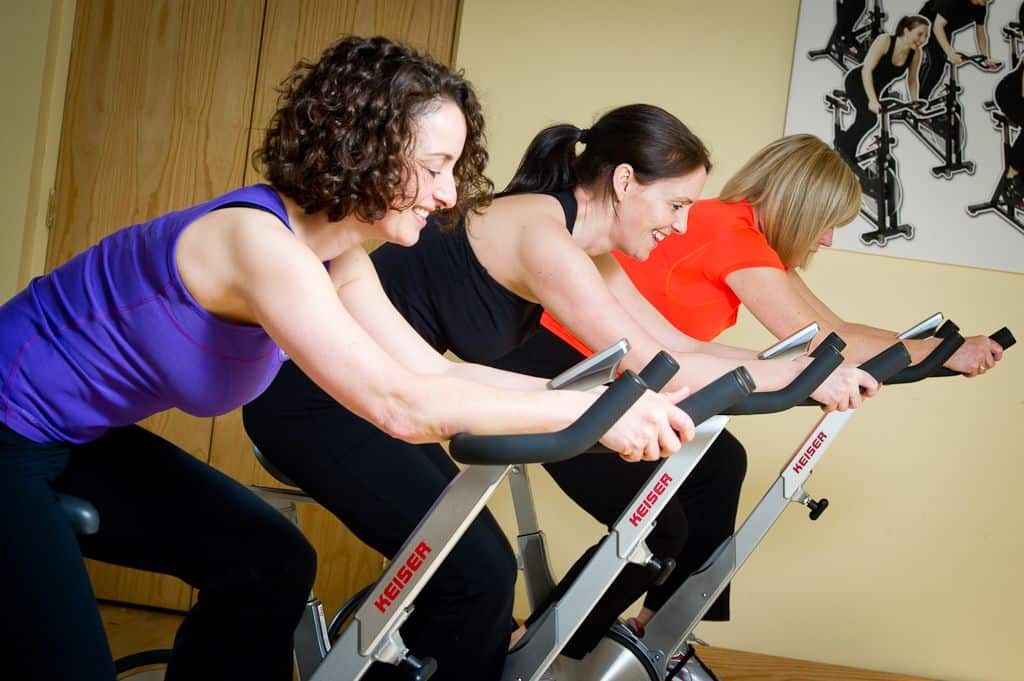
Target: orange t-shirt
(684, 277)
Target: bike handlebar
(710, 400)
(826, 358)
(930, 364)
(887, 363)
(892, 105)
(505, 450)
(978, 60)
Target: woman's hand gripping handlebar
(970, 356)
(825, 359)
(710, 400)
(591, 426)
(879, 368)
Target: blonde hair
(799, 188)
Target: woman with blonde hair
(742, 247)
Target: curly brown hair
(344, 128)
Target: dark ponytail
(650, 139)
(547, 165)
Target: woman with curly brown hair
(195, 310)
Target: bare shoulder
(511, 233)
(509, 216)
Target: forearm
(696, 370)
(436, 407)
(940, 36)
(724, 351)
(864, 342)
(868, 81)
(496, 378)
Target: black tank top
(885, 72)
(444, 292)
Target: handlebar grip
(948, 328)
(659, 371)
(930, 364)
(719, 395)
(505, 450)
(1003, 336)
(827, 360)
(887, 363)
(833, 340)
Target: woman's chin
(408, 237)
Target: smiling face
(647, 213)
(439, 138)
(918, 36)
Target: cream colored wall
(35, 44)
(915, 568)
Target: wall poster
(928, 112)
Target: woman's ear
(622, 179)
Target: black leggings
(864, 118)
(1010, 102)
(381, 488)
(933, 65)
(160, 510)
(692, 525)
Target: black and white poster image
(925, 101)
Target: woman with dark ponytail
(476, 288)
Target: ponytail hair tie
(582, 135)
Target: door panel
(156, 118)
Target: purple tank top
(112, 336)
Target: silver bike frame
(668, 629)
(670, 626)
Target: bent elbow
(405, 420)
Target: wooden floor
(132, 629)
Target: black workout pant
(160, 510)
(933, 65)
(381, 488)
(864, 118)
(692, 525)
(1011, 103)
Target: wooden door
(157, 117)
(301, 29)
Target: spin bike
(940, 125)
(849, 49)
(622, 655)
(1004, 202)
(877, 169)
(377, 612)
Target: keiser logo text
(809, 453)
(650, 500)
(413, 563)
